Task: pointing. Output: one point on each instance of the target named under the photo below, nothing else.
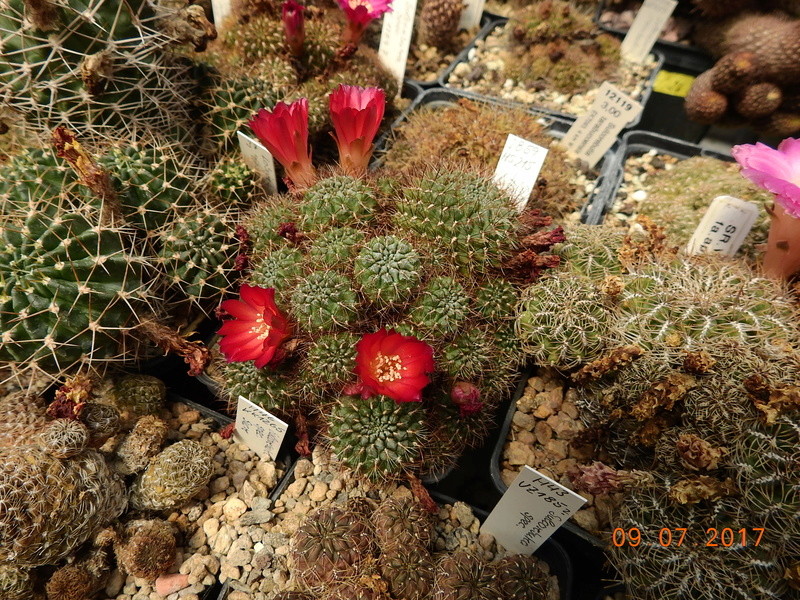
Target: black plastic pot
(675, 54)
(551, 552)
(487, 19)
(557, 124)
(501, 21)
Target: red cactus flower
(284, 132)
(359, 13)
(467, 397)
(394, 365)
(356, 114)
(294, 26)
(257, 330)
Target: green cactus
(332, 358)
(592, 251)
(173, 477)
(377, 437)
(442, 307)
(337, 201)
(273, 392)
(563, 321)
(278, 269)
(468, 221)
(50, 506)
(336, 247)
(152, 183)
(388, 269)
(198, 254)
(105, 75)
(32, 175)
(232, 183)
(324, 300)
(138, 393)
(70, 291)
(496, 299)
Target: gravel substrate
(254, 556)
(238, 489)
(426, 63)
(483, 74)
(543, 427)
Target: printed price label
(596, 131)
(673, 84)
(398, 26)
(646, 28)
(471, 15)
(261, 431)
(221, 9)
(724, 226)
(530, 511)
(518, 168)
(259, 159)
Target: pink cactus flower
(777, 171)
(356, 114)
(359, 13)
(467, 397)
(294, 27)
(284, 131)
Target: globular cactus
(105, 75)
(377, 438)
(198, 255)
(142, 443)
(173, 477)
(464, 575)
(330, 545)
(403, 522)
(50, 506)
(232, 183)
(423, 256)
(138, 393)
(438, 22)
(21, 416)
(63, 438)
(409, 569)
(16, 583)
(146, 548)
(542, 43)
(521, 577)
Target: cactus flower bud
(467, 397)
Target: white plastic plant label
(530, 511)
(518, 168)
(398, 26)
(261, 431)
(595, 131)
(221, 9)
(724, 227)
(471, 15)
(259, 159)
(646, 28)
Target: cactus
(387, 268)
(105, 75)
(377, 438)
(21, 416)
(63, 438)
(324, 300)
(402, 522)
(50, 506)
(337, 201)
(463, 575)
(144, 441)
(409, 570)
(16, 583)
(331, 358)
(329, 545)
(147, 548)
(138, 393)
(232, 183)
(438, 22)
(271, 391)
(521, 577)
(173, 477)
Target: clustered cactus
(428, 257)
(687, 383)
(364, 549)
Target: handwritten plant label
(261, 431)
(398, 26)
(518, 168)
(530, 511)
(646, 28)
(595, 132)
(471, 15)
(221, 9)
(724, 227)
(259, 159)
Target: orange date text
(676, 536)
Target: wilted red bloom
(359, 13)
(284, 132)
(294, 26)
(467, 397)
(356, 114)
(394, 365)
(258, 327)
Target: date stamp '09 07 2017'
(676, 536)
